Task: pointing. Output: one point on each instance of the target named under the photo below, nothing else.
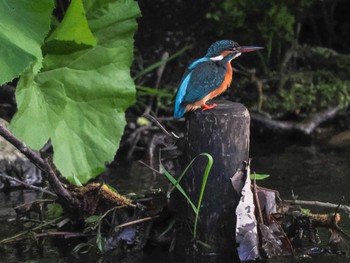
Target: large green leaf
(23, 27)
(73, 33)
(78, 100)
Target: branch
(345, 208)
(31, 155)
(42, 164)
(305, 127)
(56, 185)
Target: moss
(321, 58)
(308, 92)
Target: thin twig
(159, 118)
(20, 235)
(345, 208)
(148, 166)
(156, 122)
(57, 233)
(257, 202)
(137, 221)
(27, 185)
(35, 201)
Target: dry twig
(26, 185)
(344, 208)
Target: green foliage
(267, 23)
(148, 91)
(142, 121)
(165, 94)
(309, 92)
(305, 211)
(255, 176)
(73, 31)
(79, 97)
(24, 26)
(94, 222)
(176, 184)
(275, 18)
(320, 76)
(327, 59)
(100, 243)
(54, 210)
(160, 63)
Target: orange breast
(222, 88)
(224, 85)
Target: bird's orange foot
(207, 107)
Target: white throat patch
(220, 57)
(237, 55)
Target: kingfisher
(208, 77)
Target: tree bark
(223, 132)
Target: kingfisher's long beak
(244, 49)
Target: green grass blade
(161, 62)
(176, 185)
(145, 91)
(182, 175)
(255, 176)
(204, 184)
(170, 226)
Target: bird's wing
(179, 110)
(204, 78)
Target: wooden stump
(223, 132)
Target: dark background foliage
(284, 28)
(169, 25)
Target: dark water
(313, 172)
(316, 173)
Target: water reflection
(313, 173)
(134, 177)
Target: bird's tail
(179, 111)
(180, 108)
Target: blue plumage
(207, 77)
(195, 63)
(179, 110)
